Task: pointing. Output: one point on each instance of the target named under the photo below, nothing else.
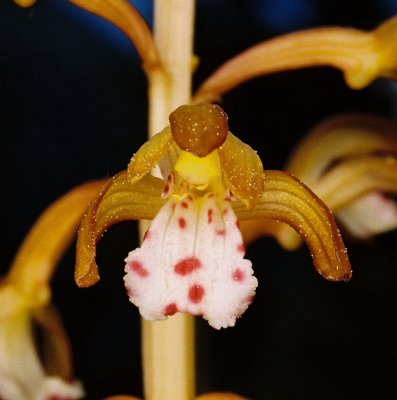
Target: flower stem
(168, 346)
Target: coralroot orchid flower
(350, 162)
(25, 304)
(192, 257)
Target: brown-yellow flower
(192, 259)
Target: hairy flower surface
(192, 257)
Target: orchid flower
(25, 304)
(192, 257)
(350, 162)
(210, 181)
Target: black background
(74, 108)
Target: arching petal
(149, 155)
(340, 137)
(355, 177)
(362, 56)
(28, 280)
(117, 201)
(124, 15)
(25, 3)
(242, 170)
(288, 200)
(57, 353)
(253, 229)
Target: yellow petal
(341, 137)
(56, 347)
(362, 57)
(386, 45)
(117, 201)
(13, 301)
(253, 229)
(25, 3)
(124, 15)
(288, 200)
(149, 154)
(242, 170)
(220, 396)
(46, 242)
(356, 177)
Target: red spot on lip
(182, 223)
(238, 275)
(170, 309)
(220, 232)
(187, 266)
(241, 248)
(210, 213)
(225, 211)
(196, 293)
(138, 268)
(184, 204)
(166, 189)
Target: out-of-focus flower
(192, 258)
(25, 308)
(350, 163)
(25, 3)
(208, 396)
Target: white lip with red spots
(192, 260)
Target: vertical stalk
(168, 346)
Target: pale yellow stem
(170, 86)
(168, 346)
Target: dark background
(74, 108)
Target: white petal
(22, 376)
(372, 214)
(192, 260)
(55, 388)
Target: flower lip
(199, 128)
